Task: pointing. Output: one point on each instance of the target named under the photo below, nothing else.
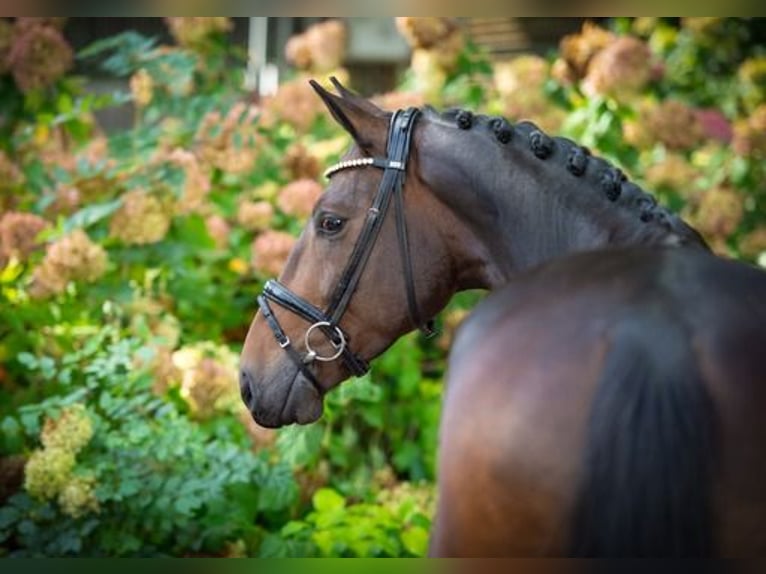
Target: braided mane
(577, 160)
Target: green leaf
(327, 500)
(300, 445)
(415, 540)
(87, 216)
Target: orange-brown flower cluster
(436, 45)
(255, 215)
(18, 235)
(165, 374)
(300, 163)
(195, 32)
(219, 229)
(142, 219)
(196, 181)
(270, 251)
(609, 65)
(297, 198)
(750, 134)
(38, 55)
(520, 84)
(230, 143)
(72, 258)
(295, 103)
(425, 32)
(673, 172)
(674, 124)
(319, 49)
(577, 50)
(718, 213)
(621, 70)
(208, 378)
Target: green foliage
(163, 483)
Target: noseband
(392, 184)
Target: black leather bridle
(391, 185)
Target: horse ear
(363, 120)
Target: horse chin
(301, 404)
(305, 406)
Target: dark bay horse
(607, 399)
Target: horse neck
(529, 210)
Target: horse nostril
(246, 388)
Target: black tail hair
(651, 453)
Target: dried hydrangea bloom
(165, 374)
(297, 198)
(218, 229)
(196, 181)
(255, 215)
(674, 124)
(719, 213)
(520, 83)
(194, 32)
(72, 258)
(424, 32)
(622, 69)
(142, 219)
(577, 50)
(299, 163)
(270, 251)
(674, 172)
(326, 43)
(142, 88)
(10, 174)
(71, 430)
(750, 134)
(230, 142)
(526, 72)
(47, 471)
(18, 234)
(294, 103)
(78, 497)
(38, 57)
(207, 372)
(208, 389)
(297, 52)
(67, 200)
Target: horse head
(375, 260)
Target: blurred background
(154, 172)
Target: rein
(391, 185)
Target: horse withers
(604, 400)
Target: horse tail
(646, 487)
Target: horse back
(609, 404)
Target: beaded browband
(361, 162)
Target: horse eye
(331, 224)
